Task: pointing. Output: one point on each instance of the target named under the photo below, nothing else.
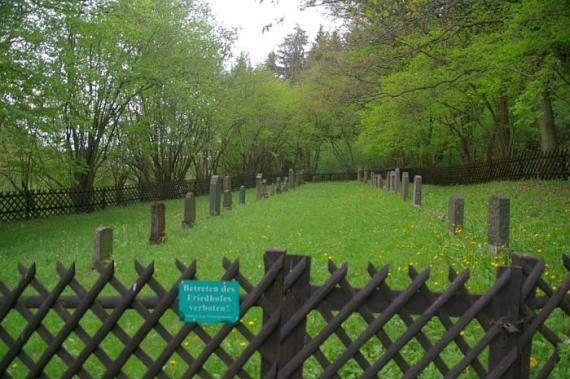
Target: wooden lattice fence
(538, 165)
(328, 330)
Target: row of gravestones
(498, 215)
(395, 182)
(103, 238)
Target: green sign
(208, 301)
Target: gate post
(286, 294)
(273, 294)
(527, 262)
(506, 309)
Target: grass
(349, 222)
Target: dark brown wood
(509, 324)
(506, 311)
(293, 298)
(274, 294)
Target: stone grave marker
(417, 197)
(258, 193)
(227, 183)
(455, 213)
(499, 222)
(189, 210)
(273, 189)
(405, 185)
(365, 176)
(397, 179)
(291, 180)
(157, 223)
(102, 245)
(242, 194)
(279, 185)
(286, 184)
(228, 199)
(380, 183)
(264, 189)
(215, 195)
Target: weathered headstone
(365, 176)
(242, 194)
(373, 178)
(215, 195)
(279, 185)
(298, 178)
(273, 189)
(397, 178)
(302, 177)
(258, 193)
(227, 183)
(264, 188)
(393, 181)
(455, 213)
(157, 223)
(189, 210)
(405, 185)
(499, 222)
(291, 181)
(102, 245)
(380, 184)
(228, 199)
(286, 184)
(417, 197)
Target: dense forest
(108, 92)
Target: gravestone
(242, 194)
(365, 176)
(258, 193)
(227, 183)
(189, 210)
(373, 178)
(393, 181)
(102, 245)
(291, 180)
(286, 184)
(302, 177)
(273, 189)
(380, 184)
(157, 223)
(405, 185)
(397, 180)
(264, 188)
(279, 185)
(215, 195)
(228, 199)
(499, 222)
(417, 197)
(455, 213)
(298, 178)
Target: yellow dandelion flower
(462, 333)
(533, 362)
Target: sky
(250, 16)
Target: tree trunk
(503, 127)
(548, 140)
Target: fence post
(527, 262)
(506, 307)
(287, 295)
(270, 348)
(294, 296)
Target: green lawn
(347, 222)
